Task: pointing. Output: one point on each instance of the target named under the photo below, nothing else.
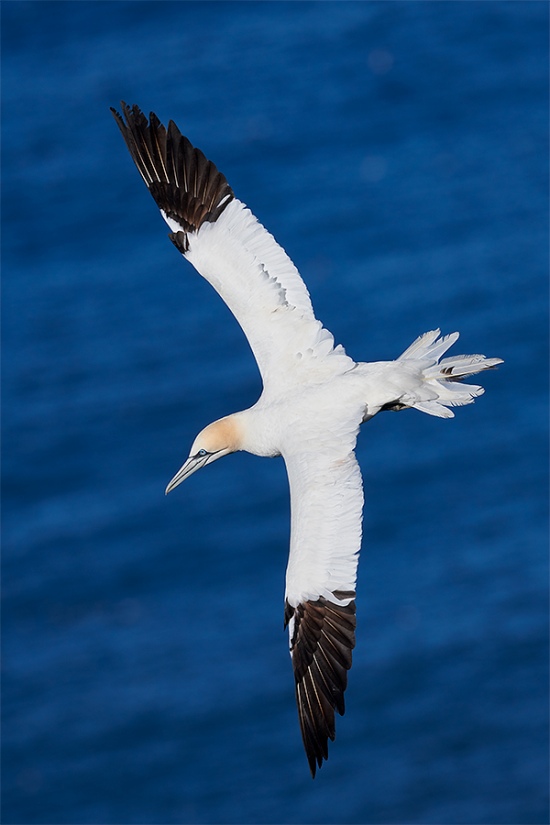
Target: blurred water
(399, 153)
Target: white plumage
(262, 288)
(313, 402)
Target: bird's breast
(302, 417)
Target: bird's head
(218, 439)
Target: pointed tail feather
(440, 386)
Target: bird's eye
(202, 453)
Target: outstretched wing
(326, 513)
(232, 250)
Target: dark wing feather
(323, 636)
(185, 185)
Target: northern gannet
(314, 399)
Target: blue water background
(398, 151)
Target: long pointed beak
(191, 465)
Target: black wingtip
(322, 640)
(128, 113)
(117, 116)
(184, 183)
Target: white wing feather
(264, 291)
(326, 495)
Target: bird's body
(314, 399)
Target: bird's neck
(257, 431)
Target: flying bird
(313, 401)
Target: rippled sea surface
(398, 151)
